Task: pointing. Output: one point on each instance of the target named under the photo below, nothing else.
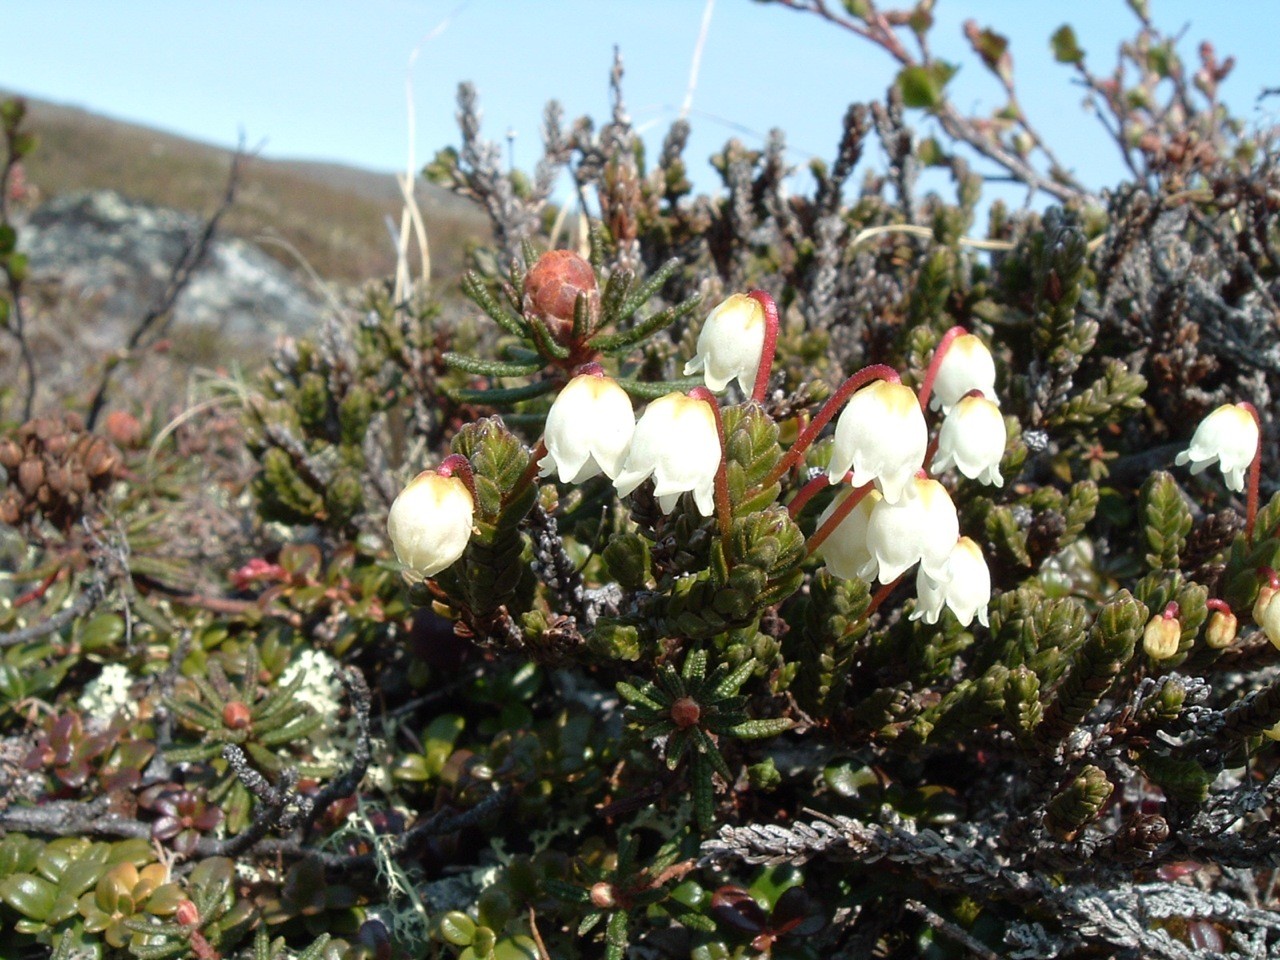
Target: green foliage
(1078, 804)
(608, 728)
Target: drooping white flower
(730, 344)
(1229, 437)
(972, 439)
(881, 435)
(430, 523)
(845, 551)
(967, 591)
(676, 443)
(589, 428)
(922, 526)
(967, 365)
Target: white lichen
(108, 695)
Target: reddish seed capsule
(555, 281)
(685, 712)
(235, 715)
(123, 428)
(602, 897)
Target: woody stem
(770, 343)
(878, 371)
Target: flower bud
(967, 365)
(881, 435)
(730, 344)
(1161, 637)
(972, 439)
(430, 523)
(1221, 631)
(675, 442)
(1266, 612)
(967, 591)
(1228, 436)
(588, 430)
(921, 527)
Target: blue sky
(326, 80)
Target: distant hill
(333, 215)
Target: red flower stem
(1269, 575)
(1220, 605)
(770, 343)
(723, 516)
(882, 594)
(931, 374)
(878, 371)
(837, 517)
(1171, 610)
(1255, 475)
(808, 492)
(38, 591)
(530, 472)
(457, 464)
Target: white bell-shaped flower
(589, 428)
(922, 526)
(1228, 436)
(881, 435)
(430, 523)
(845, 551)
(972, 439)
(730, 344)
(967, 591)
(676, 443)
(967, 365)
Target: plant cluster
(750, 575)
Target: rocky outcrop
(117, 254)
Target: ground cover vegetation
(766, 573)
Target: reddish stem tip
(770, 347)
(926, 388)
(1171, 610)
(1220, 605)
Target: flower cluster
(891, 514)
(894, 515)
(891, 517)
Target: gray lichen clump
(759, 574)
